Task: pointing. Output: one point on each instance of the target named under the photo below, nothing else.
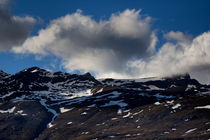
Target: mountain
(43, 105)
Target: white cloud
(178, 36)
(177, 58)
(121, 47)
(102, 47)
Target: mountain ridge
(66, 101)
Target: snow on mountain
(51, 85)
(109, 102)
(37, 84)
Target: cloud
(178, 58)
(4, 2)
(177, 36)
(13, 29)
(122, 46)
(101, 47)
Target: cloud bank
(13, 29)
(122, 46)
(102, 47)
(177, 58)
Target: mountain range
(43, 105)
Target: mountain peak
(179, 76)
(87, 74)
(1, 71)
(33, 69)
(3, 74)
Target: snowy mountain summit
(39, 104)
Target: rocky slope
(42, 105)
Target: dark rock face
(26, 120)
(36, 103)
(3, 74)
(143, 122)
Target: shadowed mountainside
(43, 105)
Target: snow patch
(63, 110)
(84, 113)
(202, 107)
(172, 86)
(127, 115)
(164, 96)
(93, 105)
(170, 102)
(33, 71)
(138, 112)
(152, 87)
(111, 136)
(115, 94)
(119, 112)
(11, 110)
(114, 119)
(176, 106)
(55, 114)
(50, 125)
(85, 133)
(7, 95)
(118, 103)
(173, 129)
(101, 90)
(191, 130)
(81, 94)
(126, 110)
(157, 103)
(189, 87)
(69, 123)
(20, 112)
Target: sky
(118, 39)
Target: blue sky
(184, 15)
(188, 16)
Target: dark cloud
(13, 29)
(4, 2)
